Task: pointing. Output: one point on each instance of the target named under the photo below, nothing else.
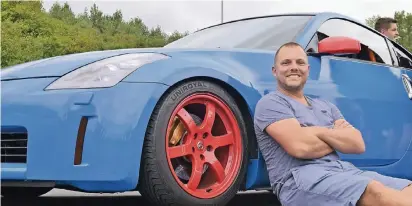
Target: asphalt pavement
(58, 197)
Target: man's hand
(344, 138)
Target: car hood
(60, 65)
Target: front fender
(247, 73)
(169, 72)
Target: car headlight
(105, 73)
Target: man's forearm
(345, 140)
(313, 146)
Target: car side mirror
(339, 45)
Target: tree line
(28, 32)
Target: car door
(403, 60)
(369, 90)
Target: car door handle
(407, 84)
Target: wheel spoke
(187, 120)
(196, 176)
(209, 116)
(217, 168)
(223, 140)
(179, 151)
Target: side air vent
(13, 146)
(78, 153)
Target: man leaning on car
(299, 138)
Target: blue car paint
(363, 102)
(60, 65)
(52, 118)
(249, 72)
(236, 68)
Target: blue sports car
(176, 123)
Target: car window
(267, 33)
(402, 58)
(374, 47)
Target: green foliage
(404, 27)
(30, 33)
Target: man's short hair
(288, 44)
(384, 23)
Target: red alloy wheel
(211, 148)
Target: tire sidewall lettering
(187, 87)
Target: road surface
(58, 197)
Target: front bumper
(117, 119)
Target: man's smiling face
(291, 68)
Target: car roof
(313, 14)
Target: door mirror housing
(339, 45)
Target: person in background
(388, 27)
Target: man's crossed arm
(344, 138)
(316, 142)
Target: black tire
(157, 183)
(24, 192)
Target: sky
(192, 15)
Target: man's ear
(274, 70)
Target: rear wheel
(195, 147)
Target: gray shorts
(333, 183)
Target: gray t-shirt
(276, 106)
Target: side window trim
(395, 60)
(313, 43)
(402, 49)
(393, 47)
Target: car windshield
(267, 33)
